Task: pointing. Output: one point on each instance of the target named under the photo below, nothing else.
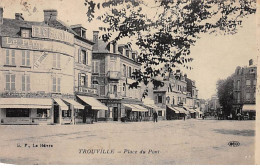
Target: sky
(215, 57)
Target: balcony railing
(84, 89)
(113, 75)
(114, 95)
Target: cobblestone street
(166, 142)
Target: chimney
(50, 15)
(95, 40)
(251, 62)
(1, 15)
(19, 16)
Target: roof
(11, 27)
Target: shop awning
(74, 103)
(182, 110)
(153, 106)
(174, 109)
(136, 107)
(94, 103)
(62, 105)
(25, 103)
(249, 107)
(142, 109)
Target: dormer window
(83, 33)
(133, 56)
(25, 33)
(127, 53)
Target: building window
(66, 113)
(102, 90)
(25, 33)
(159, 113)
(254, 82)
(56, 84)
(26, 83)
(247, 96)
(83, 80)
(10, 57)
(56, 60)
(248, 83)
(127, 53)
(173, 100)
(130, 72)
(43, 113)
(25, 58)
(17, 112)
(124, 70)
(10, 82)
(95, 66)
(84, 57)
(238, 84)
(134, 56)
(238, 97)
(159, 99)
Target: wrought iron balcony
(84, 89)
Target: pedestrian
(184, 117)
(155, 116)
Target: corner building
(37, 71)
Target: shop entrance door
(56, 114)
(115, 112)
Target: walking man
(155, 116)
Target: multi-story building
(112, 70)
(37, 70)
(245, 90)
(172, 96)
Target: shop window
(9, 57)
(56, 60)
(56, 84)
(146, 114)
(25, 33)
(43, 113)
(17, 112)
(10, 82)
(159, 99)
(26, 82)
(66, 113)
(159, 113)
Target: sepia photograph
(129, 82)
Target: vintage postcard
(129, 82)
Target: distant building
(245, 90)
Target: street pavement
(166, 142)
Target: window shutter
(54, 60)
(54, 84)
(23, 57)
(86, 80)
(86, 57)
(28, 58)
(79, 57)
(7, 81)
(7, 61)
(13, 57)
(23, 82)
(12, 82)
(58, 85)
(28, 82)
(58, 60)
(79, 80)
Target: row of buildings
(51, 73)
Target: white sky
(215, 57)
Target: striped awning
(136, 107)
(94, 103)
(62, 105)
(249, 107)
(74, 103)
(26, 103)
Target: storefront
(152, 108)
(135, 112)
(26, 110)
(93, 108)
(249, 111)
(173, 113)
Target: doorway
(56, 114)
(115, 112)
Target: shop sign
(52, 33)
(42, 45)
